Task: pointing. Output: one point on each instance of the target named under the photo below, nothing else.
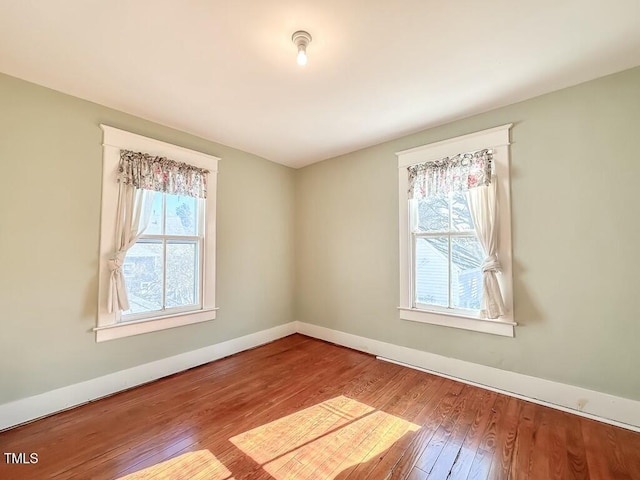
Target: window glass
(432, 271)
(181, 215)
(143, 275)
(466, 274)
(460, 215)
(433, 214)
(155, 222)
(182, 274)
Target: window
(447, 254)
(442, 256)
(168, 268)
(162, 270)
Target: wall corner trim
(31, 408)
(618, 411)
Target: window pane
(143, 277)
(433, 214)
(182, 274)
(460, 215)
(466, 274)
(182, 215)
(155, 223)
(432, 271)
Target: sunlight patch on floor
(322, 440)
(200, 465)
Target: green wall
(576, 232)
(576, 238)
(51, 158)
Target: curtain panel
(483, 206)
(161, 174)
(134, 213)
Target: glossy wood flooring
(301, 409)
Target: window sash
(430, 306)
(462, 233)
(199, 241)
(164, 310)
(449, 234)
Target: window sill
(454, 320)
(127, 329)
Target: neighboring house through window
(157, 248)
(455, 233)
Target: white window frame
(497, 140)
(109, 325)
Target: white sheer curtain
(134, 212)
(483, 205)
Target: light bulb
(301, 39)
(302, 57)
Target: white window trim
(114, 140)
(496, 139)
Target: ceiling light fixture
(301, 39)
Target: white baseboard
(622, 412)
(610, 409)
(30, 408)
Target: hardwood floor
(299, 408)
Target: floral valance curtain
(161, 174)
(450, 174)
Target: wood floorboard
(521, 459)
(604, 455)
(432, 450)
(480, 466)
(411, 412)
(400, 406)
(175, 416)
(365, 439)
(505, 440)
(279, 397)
(416, 414)
(463, 463)
(559, 457)
(303, 409)
(451, 451)
(371, 387)
(629, 444)
(306, 393)
(335, 451)
(290, 434)
(576, 454)
(440, 405)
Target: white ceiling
(378, 69)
